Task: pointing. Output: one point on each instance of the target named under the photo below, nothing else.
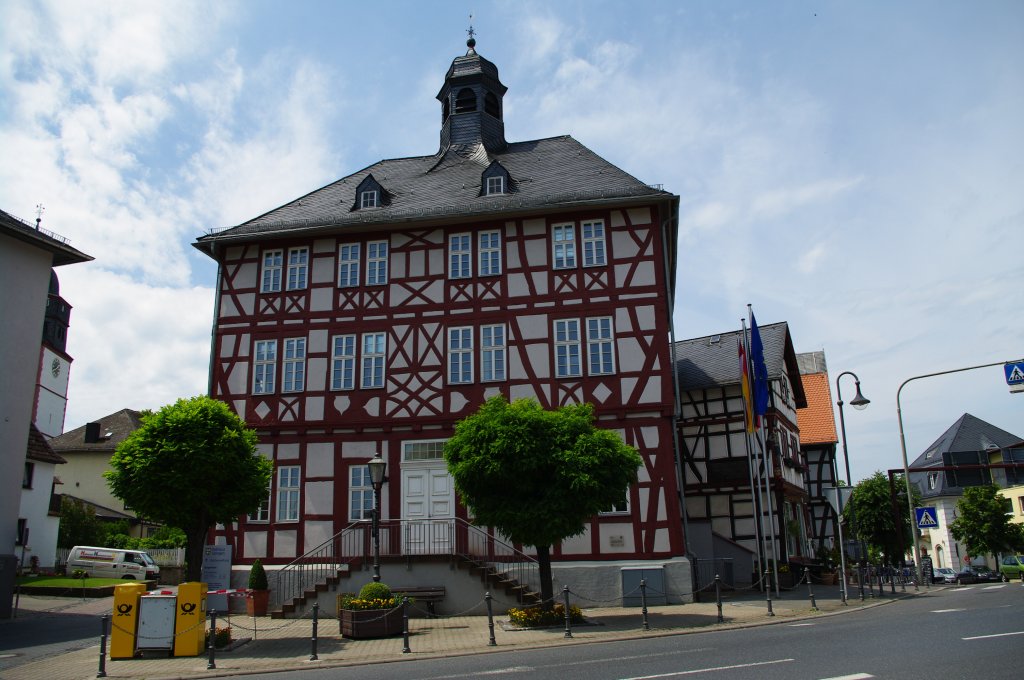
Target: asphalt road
(966, 633)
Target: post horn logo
(188, 608)
(124, 609)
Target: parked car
(965, 575)
(943, 575)
(1011, 566)
(984, 574)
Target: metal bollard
(643, 602)
(312, 652)
(102, 672)
(568, 623)
(490, 620)
(718, 597)
(211, 662)
(768, 592)
(892, 582)
(810, 592)
(405, 626)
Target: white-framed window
(262, 513)
(264, 366)
(273, 261)
(288, 493)
(360, 493)
(423, 450)
(567, 348)
(369, 198)
(293, 365)
(460, 355)
(376, 263)
(593, 243)
(348, 265)
(619, 507)
(495, 185)
(490, 253)
(933, 480)
(29, 473)
(460, 256)
(298, 268)
(492, 352)
(374, 351)
(563, 246)
(343, 362)
(600, 346)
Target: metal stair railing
(320, 564)
(510, 565)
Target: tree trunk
(544, 573)
(196, 540)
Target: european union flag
(760, 378)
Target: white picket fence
(165, 557)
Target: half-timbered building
(722, 465)
(818, 442)
(370, 315)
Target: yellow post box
(190, 620)
(124, 621)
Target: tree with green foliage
(872, 506)
(190, 465)
(537, 476)
(79, 524)
(983, 523)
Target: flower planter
(256, 602)
(370, 623)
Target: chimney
(92, 433)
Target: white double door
(428, 509)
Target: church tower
(471, 103)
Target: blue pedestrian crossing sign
(1014, 375)
(926, 518)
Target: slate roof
(548, 174)
(39, 449)
(102, 510)
(964, 443)
(119, 425)
(58, 246)
(713, 360)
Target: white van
(112, 563)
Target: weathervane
(471, 43)
(39, 213)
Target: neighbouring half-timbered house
(370, 315)
(818, 442)
(719, 467)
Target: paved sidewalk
(279, 645)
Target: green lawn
(63, 582)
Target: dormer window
(370, 194)
(495, 185)
(369, 199)
(495, 181)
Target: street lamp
(859, 402)
(377, 466)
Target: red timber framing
(326, 429)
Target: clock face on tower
(55, 367)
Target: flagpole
(756, 501)
(765, 452)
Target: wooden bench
(428, 594)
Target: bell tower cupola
(471, 102)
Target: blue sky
(853, 168)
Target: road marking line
(855, 676)
(982, 637)
(797, 625)
(944, 611)
(1001, 585)
(709, 670)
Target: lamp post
(377, 466)
(859, 402)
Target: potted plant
(374, 613)
(259, 594)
